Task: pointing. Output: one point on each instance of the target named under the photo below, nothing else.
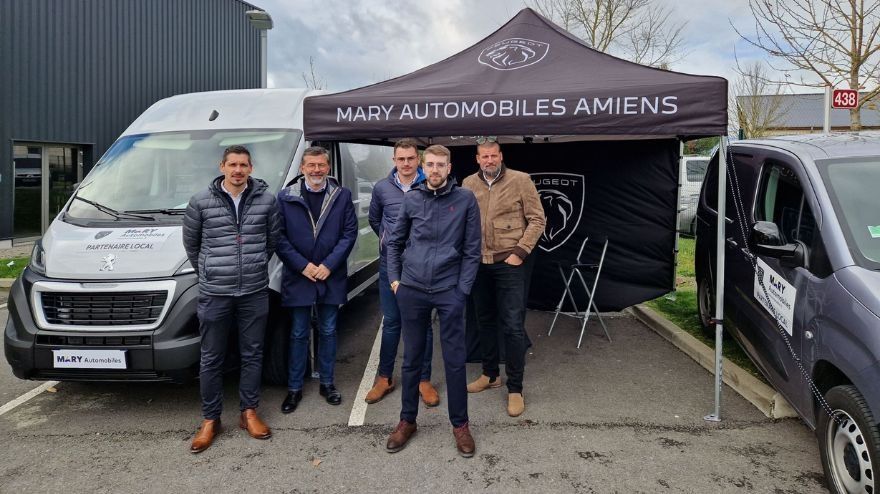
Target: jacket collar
(420, 177)
(442, 191)
(498, 178)
(294, 189)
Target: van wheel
(706, 305)
(848, 441)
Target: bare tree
(836, 41)
(311, 78)
(757, 104)
(638, 30)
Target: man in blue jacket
(384, 207)
(433, 256)
(318, 231)
(229, 233)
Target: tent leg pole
(720, 246)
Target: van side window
(781, 201)
(368, 164)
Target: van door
(772, 302)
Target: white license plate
(88, 359)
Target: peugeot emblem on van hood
(107, 261)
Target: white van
(692, 171)
(109, 293)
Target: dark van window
(781, 200)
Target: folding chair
(581, 268)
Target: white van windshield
(853, 188)
(158, 173)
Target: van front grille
(103, 308)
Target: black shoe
(334, 397)
(291, 402)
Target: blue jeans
(218, 317)
(391, 331)
(299, 344)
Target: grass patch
(680, 307)
(12, 267)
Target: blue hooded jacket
(326, 240)
(435, 243)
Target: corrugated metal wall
(79, 71)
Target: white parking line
(359, 408)
(27, 396)
(2, 306)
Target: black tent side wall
(626, 190)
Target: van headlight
(38, 259)
(185, 268)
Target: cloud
(359, 42)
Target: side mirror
(767, 241)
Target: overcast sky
(360, 42)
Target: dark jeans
(499, 293)
(299, 344)
(415, 312)
(218, 316)
(391, 332)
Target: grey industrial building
(77, 72)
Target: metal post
(827, 110)
(677, 219)
(720, 246)
(264, 69)
(262, 21)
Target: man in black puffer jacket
(229, 233)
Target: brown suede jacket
(511, 214)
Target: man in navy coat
(433, 256)
(318, 231)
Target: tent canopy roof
(528, 78)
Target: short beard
(492, 175)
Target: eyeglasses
(316, 166)
(430, 165)
(485, 139)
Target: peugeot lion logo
(562, 195)
(513, 53)
(108, 261)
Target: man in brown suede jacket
(512, 220)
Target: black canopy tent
(600, 136)
(548, 97)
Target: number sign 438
(844, 98)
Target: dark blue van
(802, 283)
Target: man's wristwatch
(394, 284)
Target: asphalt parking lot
(621, 416)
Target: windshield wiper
(169, 211)
(112, 212)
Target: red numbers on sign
(844, 98)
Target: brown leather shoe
(398, 439)
(429, 394)
(251, 422)
(464, 442)
(483, 383)
(515, 404)
(205, 435)
(381, 387)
